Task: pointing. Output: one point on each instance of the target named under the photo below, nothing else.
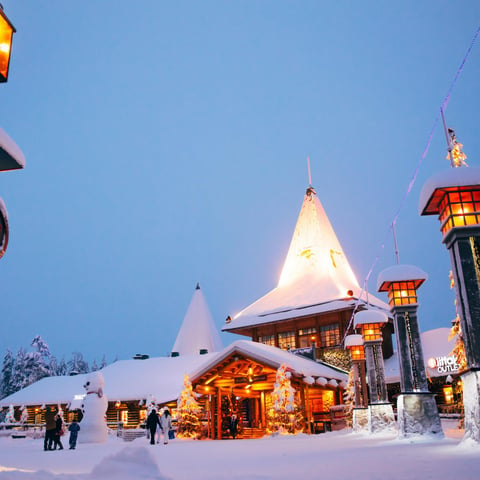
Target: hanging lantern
(6, 33)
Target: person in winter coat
(152, 422)
(50, 428)
(166, 425)
(74, 428)
(58, 433)
(233, 425)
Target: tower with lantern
(380, 411)
(454, 195)
(354, 344)
(417, 412)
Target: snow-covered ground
(337, 455)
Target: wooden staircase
(250, 432)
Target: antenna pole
(449, 143)
(395, 242)
(309, 173)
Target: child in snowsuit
(73, 429)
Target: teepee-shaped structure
(316, 278)
(198, 333)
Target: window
(330, 335)
(267, 339)
(402, 293)
(307, 336)
(286, 340)
(448, 394)
(124, 416)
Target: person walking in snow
(74, 428)
(58, 433)
(152, 422)
(166, 425)
(50, 428)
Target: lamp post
(354, 344)
(416, 407)
(6, 34)
(380, 411)
(454, 195)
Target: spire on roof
(198, 333)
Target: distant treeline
(25, 368)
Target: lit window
(124, 416)
(267, 339)
(307, 337)
(402, 293)
(286, 340)
(330, 335)
(459, 207)
(448, 394)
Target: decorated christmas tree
(284, 415)
(188, 413)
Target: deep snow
(336, 455)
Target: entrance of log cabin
(237, 385)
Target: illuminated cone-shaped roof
(198, 333)
(316, 271)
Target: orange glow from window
(357, 352)
(459, 208)
(402, 293)
(448, 394)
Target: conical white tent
(316, 275)
(198, 333)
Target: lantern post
(417, 412)
(380, 411)
(6, 34)
(354, 344)
(454, 195)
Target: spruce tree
(7, 387)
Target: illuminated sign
(444, 364)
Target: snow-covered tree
(77, 364)
(19, 370)
(24, 415)
(284, 415)
(62, 368)
(10, 416)
(188, 412)
(94, 367)
(103, 363)
(7, 386)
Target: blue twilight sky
(166, 144)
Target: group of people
(161, 423)
(54, 431)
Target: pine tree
(77, 364)
(103, 363)
(7, 386)
(19, 372)
(188, 412)
(94, 367)
(284, 415)
(62, 368)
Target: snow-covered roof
(369, 316)
(453, 177)
(198, 331)
(400, 273)
(316, 275)
(435, 343)
(353, 340)
(273, 357)
(162, 377)
(11, 157)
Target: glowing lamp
(401, 283)
(454, 196)
(370, 323)
(6, 34)
(354, 344)
(117, 404)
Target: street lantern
(370, 323)
(417, 412)
(6, 33)
(401, 282)
(354, 344)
